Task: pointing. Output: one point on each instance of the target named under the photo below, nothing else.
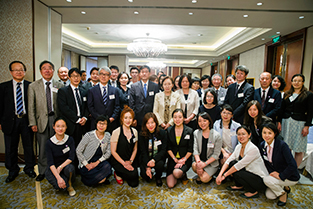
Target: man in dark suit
(141, 96)
(114, 73)
(217, 87)
(269, 98)
(72, 102)
(94, 76)
(239, 94)
(103, 99)
(14, 121)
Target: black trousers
(250, 181)
(11, 147)
(77, 136)
(130, 176)
(159, 167)
(65, 175)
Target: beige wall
(308, 56)
(206, 70)
(121, 61)
(75, 60)
(254, 60)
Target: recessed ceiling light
(130, 0)
(69, 0)
(301, 17)
(83, 12)
(136, 12)
(190, 13)
(245, 15)
(277, 32)
(200, 34)
(194, 1)
(263, 39)
(259, 4)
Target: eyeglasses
(210, 97)
(102, 123)
(104, 74)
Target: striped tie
(104, 96)
(79, 101)
(19, 99)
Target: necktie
(78, 98)
(269, 156)
(19, 99)
(216, 93)
(145, 89)
(237, 88)
(104, 96)
(263, 99)
(48, 96)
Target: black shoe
(31, 174)
(287, 190)
(40, 177)
(106, 182)
(280, 203)
(159, 182)
(253, 196)
(198, 181)
(10, 178)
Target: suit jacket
(233, 127)
(37, 103)
(272, 102)
(7, 105)
(221, 95)
(68, 108)
(192, 102)
(144, 148)
(240, 100)
(96, 106)
(215, 139)
(159, 106)
(282, 160)
(139, 103)
(185, 144)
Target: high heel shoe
(120, 182)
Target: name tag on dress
(151, 93)
(55, 90)
(65, 150)
(210, 145)
(222, 98)
(265, 157)
(157, 143)
(240, 95)
(112, 96)
(84, 99)
(187, 136)
(271, 100)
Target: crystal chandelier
(147, 47)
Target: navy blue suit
(14, 127)
(272, 102)
(239, 101)
(96, 106)
(282, 160)
(139, 103)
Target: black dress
(125, 149)
(215, 112)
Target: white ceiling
(116, 25)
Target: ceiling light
(259, 4)
(136, 12)
(83, 12)
(200, 34)
(130, 0)
(194, 1)
(245, 15)
(301, 17)
(147, 47)
(156, 64)
(69, 0)
(277, 32)
(263, 39)
(190, 13)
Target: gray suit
(38, 115)
(221, 95)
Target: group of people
(88, 128)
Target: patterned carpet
(21, 193)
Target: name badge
(240, 95)
(157, 143)
(291, 98)
(187, 136)
(84, 99)
(210, 145)
(103, 144)
(271, 100)
(55, 90)
(65, 150)
(173, 103)
(265, 157)
(222, 98)
(151, 93)
(128, 97)
(112, 96)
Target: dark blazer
(240, 100)
(282, 160)
(7, 105)
(272, 102)
(185, 144)
(139, 103)
(300, 109)
(144, 148)
(96, 106)
(68, 109)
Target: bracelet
(60, 166)
(131, 161)
(224, 175)
(174, 158)
(185, 158)
(205, 162)
(153, 160)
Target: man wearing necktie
(103, 99)
(239, 94)
(114, 74)
(219, 90)
(269, 98)
(42, 110)
(14, 122)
